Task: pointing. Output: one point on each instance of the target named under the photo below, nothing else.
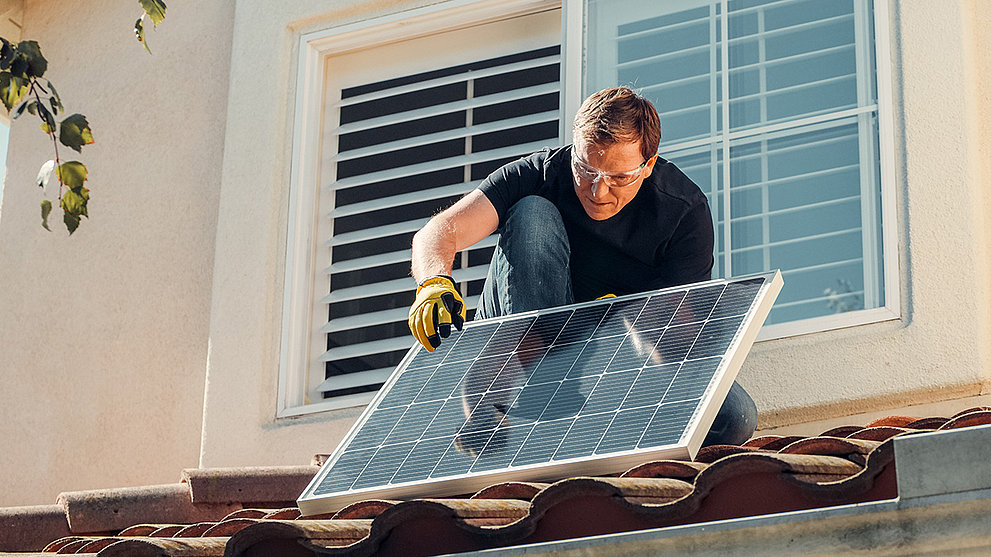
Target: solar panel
(591, 388)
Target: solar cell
(586, 389)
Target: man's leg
(529, 267)
(736, 420)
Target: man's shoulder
(545, 162)
(670, 182)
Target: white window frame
(297, 376)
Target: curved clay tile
(969, 410)
(226, 528)
(510, 490)
(139, 530)
(894, 421)
(97, 545)
(759, 442)
(167, 531)
(677, 469)
(194, 530)
(363, 509)
(841, 431)
(142, 547)
(927, 423)
(780, 442)
(712, 453)
(57, 545)
(880, 433)
(290, 513)
(830, 446)
(245, 513)
(979, 417)
(315, 534)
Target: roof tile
(257, 484)
(30, 528)
(766, 475)
(115, 509)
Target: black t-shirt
(662, 237)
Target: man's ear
(649, 167)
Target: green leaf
(47, 120)
(55, 100)
(72, 174)
(46, 209)
(12, 89)
(75, 132)
(139, 31)
(29, 106)
(74, 201)
(6, 53)
(155, 10)
(71, 222)
(31, 53)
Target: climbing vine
(24, 88)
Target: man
(602, 216)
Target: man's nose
(596, 186)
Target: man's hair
(619, 115)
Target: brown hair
(619, 115)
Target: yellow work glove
(437, 306)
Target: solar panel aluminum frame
(688, 445)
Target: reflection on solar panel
(592, 388)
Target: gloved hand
(437, 306)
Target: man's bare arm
(458, 227)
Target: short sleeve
(513, 182)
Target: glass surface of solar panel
(618, 376)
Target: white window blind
(790, 163)
(399, 148)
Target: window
(408, 127)
(397, 118)
(800, 131)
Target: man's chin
(599, 212)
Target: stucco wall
(939, 349)
(103, 335)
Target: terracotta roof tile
(258, 485)
(768, 474)
(967, 419)
(893, 421)
(510, 490)
(115, 509)
(31, 527)
(678, 469)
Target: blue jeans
(529, 271)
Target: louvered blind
(408, 147)
(801, 190)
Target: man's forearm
(458, 227)
(434, 247)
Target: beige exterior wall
(940, 348)
(103, 335)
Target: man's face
(607, 177)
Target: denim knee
(736, 420)
(534, 231)
(530, 266)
